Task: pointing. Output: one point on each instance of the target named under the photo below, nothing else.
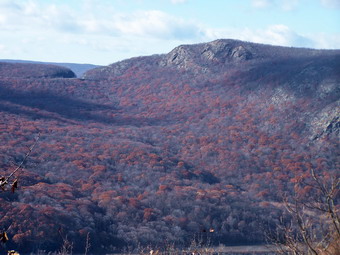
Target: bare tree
(5, 180)
(312, 225)
(87, 243)
(12, 181)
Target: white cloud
(5, 50)
(178, 1)
(35, 16)
(283, 35)
(289, 5)
(325, 41)
(94, 30)
(261, 3)
(8, 4)
(39, 30)
(31, 15)
(286, 5)
(3, 19)
(331, 3)
(156, 24)
(275, 34)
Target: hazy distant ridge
(78, 69)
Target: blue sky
(106, 31)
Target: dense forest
(158, 149)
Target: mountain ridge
(205, 56)
(33, 71)
(78, 69)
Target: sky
(106, 31)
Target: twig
(24, 160)
(87, 244)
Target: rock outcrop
(212, 57)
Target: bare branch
(24, 160)
(315, 224)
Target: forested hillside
(161, 148)
(33, 71)
(78, 69)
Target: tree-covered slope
(161, 148)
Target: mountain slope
(167, 146)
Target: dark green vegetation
(162, 148)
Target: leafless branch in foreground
(4, 180)
(313, 223)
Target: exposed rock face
(334, 126)
(205, 57)
(196, 57)
(331, 127)
(298, 72)
(180, 57)
(212, 57)
(224, 51)
(240, 53)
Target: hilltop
(33, 71)
(214, 57)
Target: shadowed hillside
(160, 149)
